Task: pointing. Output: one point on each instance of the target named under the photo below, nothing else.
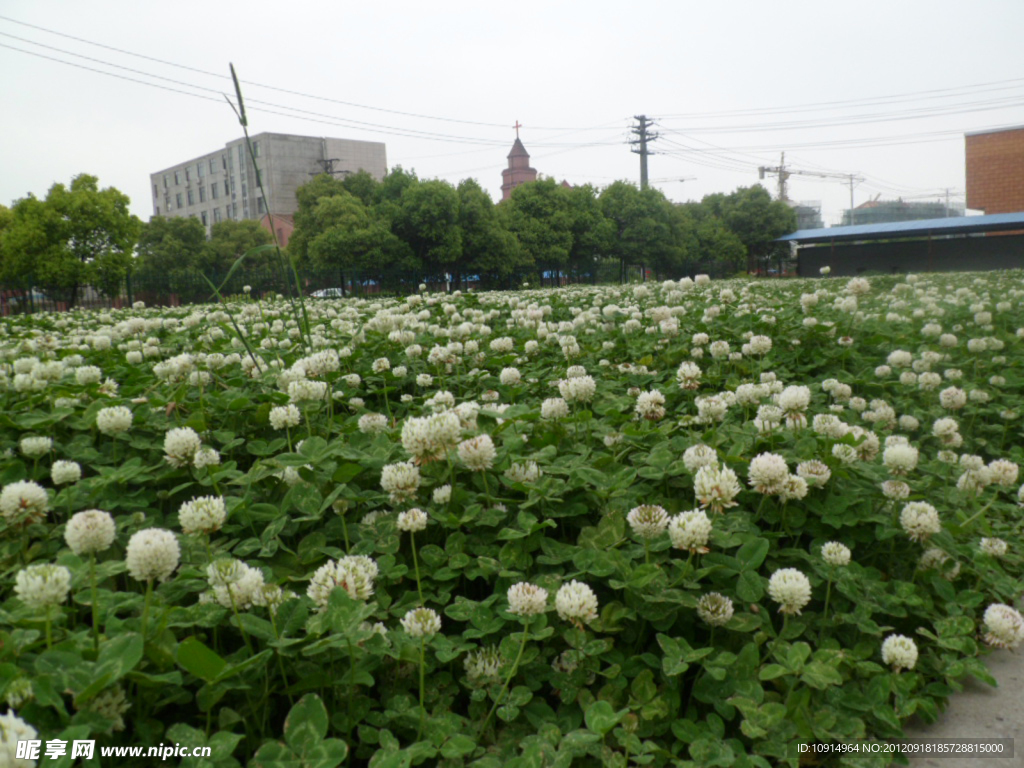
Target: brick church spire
(519, 170)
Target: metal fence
(190, 287)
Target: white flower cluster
(791, 589)
(421, 622)
(899, 652)
(235, 584)
(477, 453)
(1004, 625)
(648, 521)
(430, 438)
(412, 520)
(690, 531)
(34, 447)
(64, 472)
(401, 481)
(285, 416)
(650, 405)
(715, 609)
(90, 532)
(524, 472)
(920, 520)
(23, 502)
(114, 421)
(525, 599)
(768, 473)
(576, 602)
(205, 514)
(835, 553)
(353, 573)
(180, 446)
(43, 585)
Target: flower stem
(49, 635)
(95, 607)
(508, 680)
(416, 563)
(145, 608)
(423, 664)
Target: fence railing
(190, 287)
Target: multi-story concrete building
(223, 185)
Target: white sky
(573, 73)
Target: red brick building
(518, 171)
(995, 170)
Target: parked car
(328, 293)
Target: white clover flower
(920, 520)
(19, 692)
(895, 490)
(1003, 472)
(373, 423)
(477, 453)
(90, 531)
(483, 666)
(429, 438)
(421, 622)
(835, 553)
(1005, 626)
(305, 390)
(353, 573)
(525, 599)
(690, 531)
(688, 375)
(952, 398)
(650, 406)
(899, 652)
(699, 455)
(554, 408)
(648, 521)
(64, 472)
(87, 374)
(442, 494)
(152, 554)
(791, 589)
(510, 377)
(576, 602)
(34, 447)
(206, 457)
(412, 520)
(23, 502)
(271, 597)
(401, 481)
(578, 389)
(114, 421)
(900, 459)
(846, 454)
(994, 547)
(13, 731)
(715, 609)
(716, 487)
(180, 446)
(43, 585)
(285, 416)
(205, 514)
(941, 561)
(524, 472)
(815, 473)
(768, 473)
(236, 585)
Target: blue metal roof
(954, 225)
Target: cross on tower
(517, 126)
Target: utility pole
(328, 167)
(640, 145)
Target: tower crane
(784, 173)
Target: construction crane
(670, 179)
(784, 173)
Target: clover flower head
(899, 652)
(791, 589)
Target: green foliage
(77, 235)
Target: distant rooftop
(953, 225)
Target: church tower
(519, 170)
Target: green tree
(363, 185)
(231, 239)
(351, 237)
(646, 228)
(488, 247)
(78, 235)
(752, 215)
(427, 218)
(308, 196)
(171, 245)
(591, 231)
(539, 216)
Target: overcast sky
(881, 89)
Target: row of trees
(83, 234)
(404, 223)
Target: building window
(166, 185)
(158, 210)
(256, 149)
(234, 210)
(177, 177)
(155, 192)
(191, 197)
(227, 187)
(259, 206)
(213, 165)
(215, 190)
(202, 194)
(177, 199)
(241, 154)
(188, 175)
(167, 202)
(216, 215)
(205, 219)
(224, 161)
(200, 170)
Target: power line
(276, 88)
